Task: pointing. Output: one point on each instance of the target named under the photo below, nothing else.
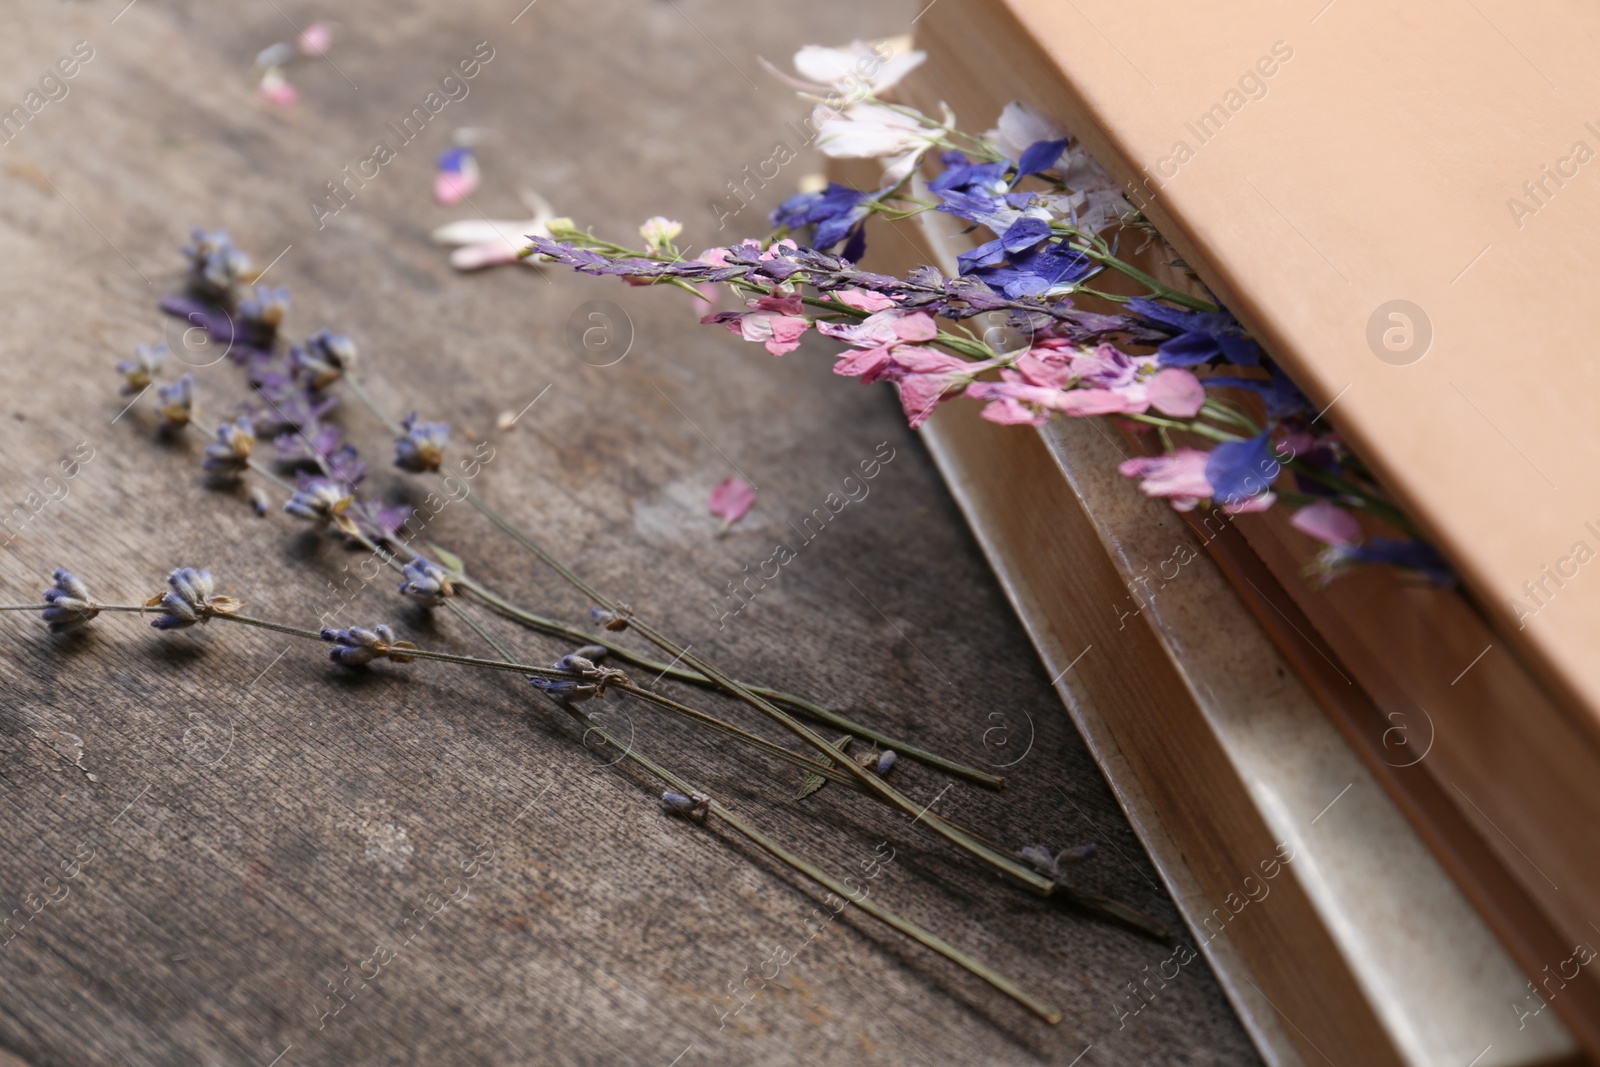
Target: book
(1206, 780)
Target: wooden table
(260, 821)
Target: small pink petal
(863, 300)
(920, 394)
(1081, 402)
(917, 326)
(731, 499)
(1328, 523)
(705, 303)
(488, 254)
(1008, 412)
(1176, 392)
(856, 364)
(316, 38)
(786, 331)
(1180, 477)
(454, 187)
(276, 89)
(921, 360)
(1036, 371)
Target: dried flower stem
(962, 840)
(797, 863)
(797, 703)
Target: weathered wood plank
(249, 824)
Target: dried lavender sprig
(923, 937)
(581, 637)
(961, 839)
(806, 707)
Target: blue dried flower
(177, 402)
(1418, 556)
(426, 583)
(834, 211)
(324, 359)
(422, 447)
(229, 454)
(189, 600)
(886, 761)
(68, 605)
(139, 372)
(693, 806)
(215, 266)
(358, 646)
(319, 500)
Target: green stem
(1166, 292)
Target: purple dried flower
(288, 407)
(588, 681)
(358, 646)
(426, 583)
(324, 359)
(308, 447)
(177, 402)
(259, 316)
(139, 372)
(229, 454)
(422, 447)
(319, 500)
(215, 266)
(321, 447)
(259, 501)
(693, 806)
(68, 605)
(189, 600)
(380, 523)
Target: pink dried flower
(731, 499)
(1176, 392)
(1180, 477)
(316, 38)
(863, 300)
(276, 89)
(1328, 523)
(776, 322)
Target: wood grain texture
(247, 824)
